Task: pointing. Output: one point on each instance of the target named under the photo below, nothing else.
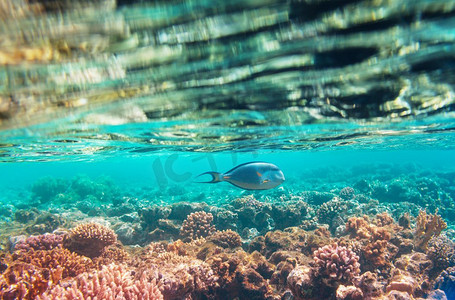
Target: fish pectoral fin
(259, 174)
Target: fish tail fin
(216, 177)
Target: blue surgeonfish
(254, 175)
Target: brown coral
(427, 226)
(197, 225)
(375, 253)
(226, 239)
(112, 282)
(25, 281)
(70, 263)
(89, 239)
(112, 254)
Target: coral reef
(197, 225)
(336, 243)
(89, 239)
(226, 239)
(46, 241)
(113, 281)
(347, 193)
(427, 226)
(69, 263)
(336, 264)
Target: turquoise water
(109, 110)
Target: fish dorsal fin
(244, 164)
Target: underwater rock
(180, 211)
(349, 292)
(225, 219)
(369, 284)
(412, 274)
(317, 198)
(289, 214)
(150, 216)
(26, 215)
(300, 282)
(446, 282)
(126, 233)
(44, 223)
(122, 209)
(437, 295)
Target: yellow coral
(427, 226)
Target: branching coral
(70, 263)
(40, 242)
(441, 250)
(111, 282)
(331, 211)
(89, 239)
(197, 224)
(226, 239)
(336, 264)
(112, 254)
(25, 281)
(427, 226)
(181, 276)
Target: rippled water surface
(92, 78)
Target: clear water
(142, 97)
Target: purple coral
(336, 263)
(197, 225)
(46, 241)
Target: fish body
(255, 175)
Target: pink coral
(112, 282)
(89, 239)
(197, 224)
(46, 241)
(336, 263)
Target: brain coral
(111, 282)
(89, 239)
(336, 264)
(197, 224)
